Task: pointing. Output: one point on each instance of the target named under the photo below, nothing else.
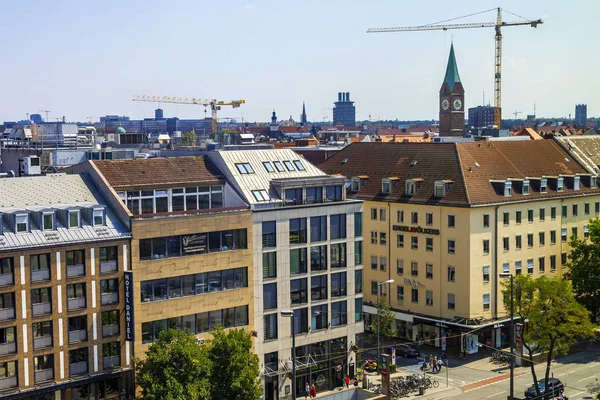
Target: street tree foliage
(555, 320)
(189, 138)
(386, 320)
(176, 367)
(584, 268)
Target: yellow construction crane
(498, 39)
(215, 105)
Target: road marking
(492, 395)
(584, 379)
(576, 394)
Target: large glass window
(333, 193)
(339, 315)
(319, 318)
(358, 253)
(338, 284)
(269, 234)
(358, 309)
(318, 228)
(293, 196)
(270, 326)
(297, 230)
(269, 265)
(301, 320)
(338, 255)
(318, 258)
(298, 291)
(298, 261)
(338, 226)
(314, 195)
(358, 224)
(318, 287)
(270, 296)
(358, 281)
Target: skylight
(268, 166)
(299, 165)
(288, 165)
(244, 168)
(261, 195)
(279, 166)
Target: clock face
(445, 104)
(457, 104)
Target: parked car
(405, 350)
(554, 386)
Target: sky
(83, 59)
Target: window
(508, 188)
(338, 226)
(42, 363)
(355, 184)
(518, 242)
(48, 221)
(42, 331)
(415, 295)
(563, 235)
(41, 300)
(268, 166)
(298, 262)
(339, 315)
(586, 208)
(553, 212)
(586, 231)
(530, 215)
(574, 231)
(358, 224)
(518, 267)
(530, 266)
(414, 242)
(244, 168)
(542, 238)
(576, 181)
(451, 301)
(543, 185)
(530, 240)
(301, 320)
(486, 302)
(597, 207)
(486, 220)
(552, 262)
(400, 293)
(269, 234)
(157, 248)
(373, 237)
(400, 240)
(525, 187)
(518, 216)
(400, 216)
(6, 271)
(542, 214)
(560, 184)
(399, 266)
(318, 258)
(374, 263)
(373, 214)
(279, 166)
(78, 356)
(428, 298)
(358, 310)
(382, 214)
(428, 219)
(439, 189)
(486, 273)
(410, 187)
(109, 290)
(74, 219)
(299, 165)
(506, 218)
(486, 246)
(382, 263)
(318, 287)
(338, 255)
(374, 287)
(429, 271)
(98, 217)
(563, 258)
(338, 284)
(358, 253)
(40, 267)
(319, 317)
(298, 291)
(575, 210)
(358, 281)
(505, 243)
(333, 193)
(21, 223)
(269, 265)
(542, 264)
(288, 165)
(564, 211)
(414, 218)
(293, 196)
(386, 186)
(451, 221)
(414, 268)
(451, 273)
(261, 195)
(297, 230)
(270, 326)
(506, 268)
(451, 246)
(382, 238)
(75, 258)
(429, 244)
(553, 237)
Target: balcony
(111, 362)
(44, 375)
(108, 267)
(7, 313)
(8, 348)
(40, 275)
(77, 336)
(75, 270)
(110, 330)
(40, 309)
(79, 368)
(110, 298)
(42, 342)
(7, 279)
(7, 383)
(76, 303)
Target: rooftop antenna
(483, 98)
(534, 109)
(47, 112)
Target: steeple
(303, 120)
(452, 76)
(274, 118)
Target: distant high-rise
(344, 111)
(481, 116)
(36, 118)
(158, 114)
(303, 120)
(581, 114)
(452, 99)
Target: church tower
(452, 100)
(303, 120)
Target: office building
(344, 112)
(64, 256)
(452, 100)
(581, 115)
(445, 219)
(159, 114)
(36, 118)
(307, 247)
(481, 116)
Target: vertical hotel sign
(129, 327)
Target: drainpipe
(389, 246)
(494, 271)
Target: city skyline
(83, 60)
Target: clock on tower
(452, 99)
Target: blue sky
(85, 59)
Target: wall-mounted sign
(413, 282)
(441, 325)
(194, 243)
(496, 326)
(129, 324)
(416, 229)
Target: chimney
(347, 96)
(339, 96)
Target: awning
(443, 323)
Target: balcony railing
(8, 348)
(44, 375)
(77, 336)
(41, 309)
(110, 298)
(110, 330)
(40, 275)
(42, 342)
(76, 303)
(7, 383)
(7, 313)
(107, 267)
(111, 362)
(79, 368)
(7, 279)
(75, 270)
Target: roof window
(279, 166)
(98, 217)
(507, 188)
(74, 220)
(576, 182)
(560, 184)
(386, 186)
(268, 166)
(21, 223)
(48, 221)
(526, 187)
(299, 165)
(355, 183)
(593, 182)
(244, 168)
(261, 195)
(288, 165)
(544, 185)
(410, 187)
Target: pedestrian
(431, 362)
(313, 391)
(435, 364)
(440, 363)
(307, 389)
(355, 381)
(347, 382)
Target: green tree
(555, 320)
(189, 138)
(584, 268)
(386, 320)
(175, 368)
(235, 372)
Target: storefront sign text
(129, 326)
(416, 229)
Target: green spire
(451, 70)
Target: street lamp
(290, 314)
(512, 335)
(378, 326)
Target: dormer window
(355, 184)
(593, 183)
(439, 189)
(74, 219)
(560, 184)
(386, 186)
(526, 186)
(48, 221)
(21, 223)
(98, 217)
(543, 185)
(410, 187)
(576, 182)
(507, 188)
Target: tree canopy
(386, 320)
(189, 138)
